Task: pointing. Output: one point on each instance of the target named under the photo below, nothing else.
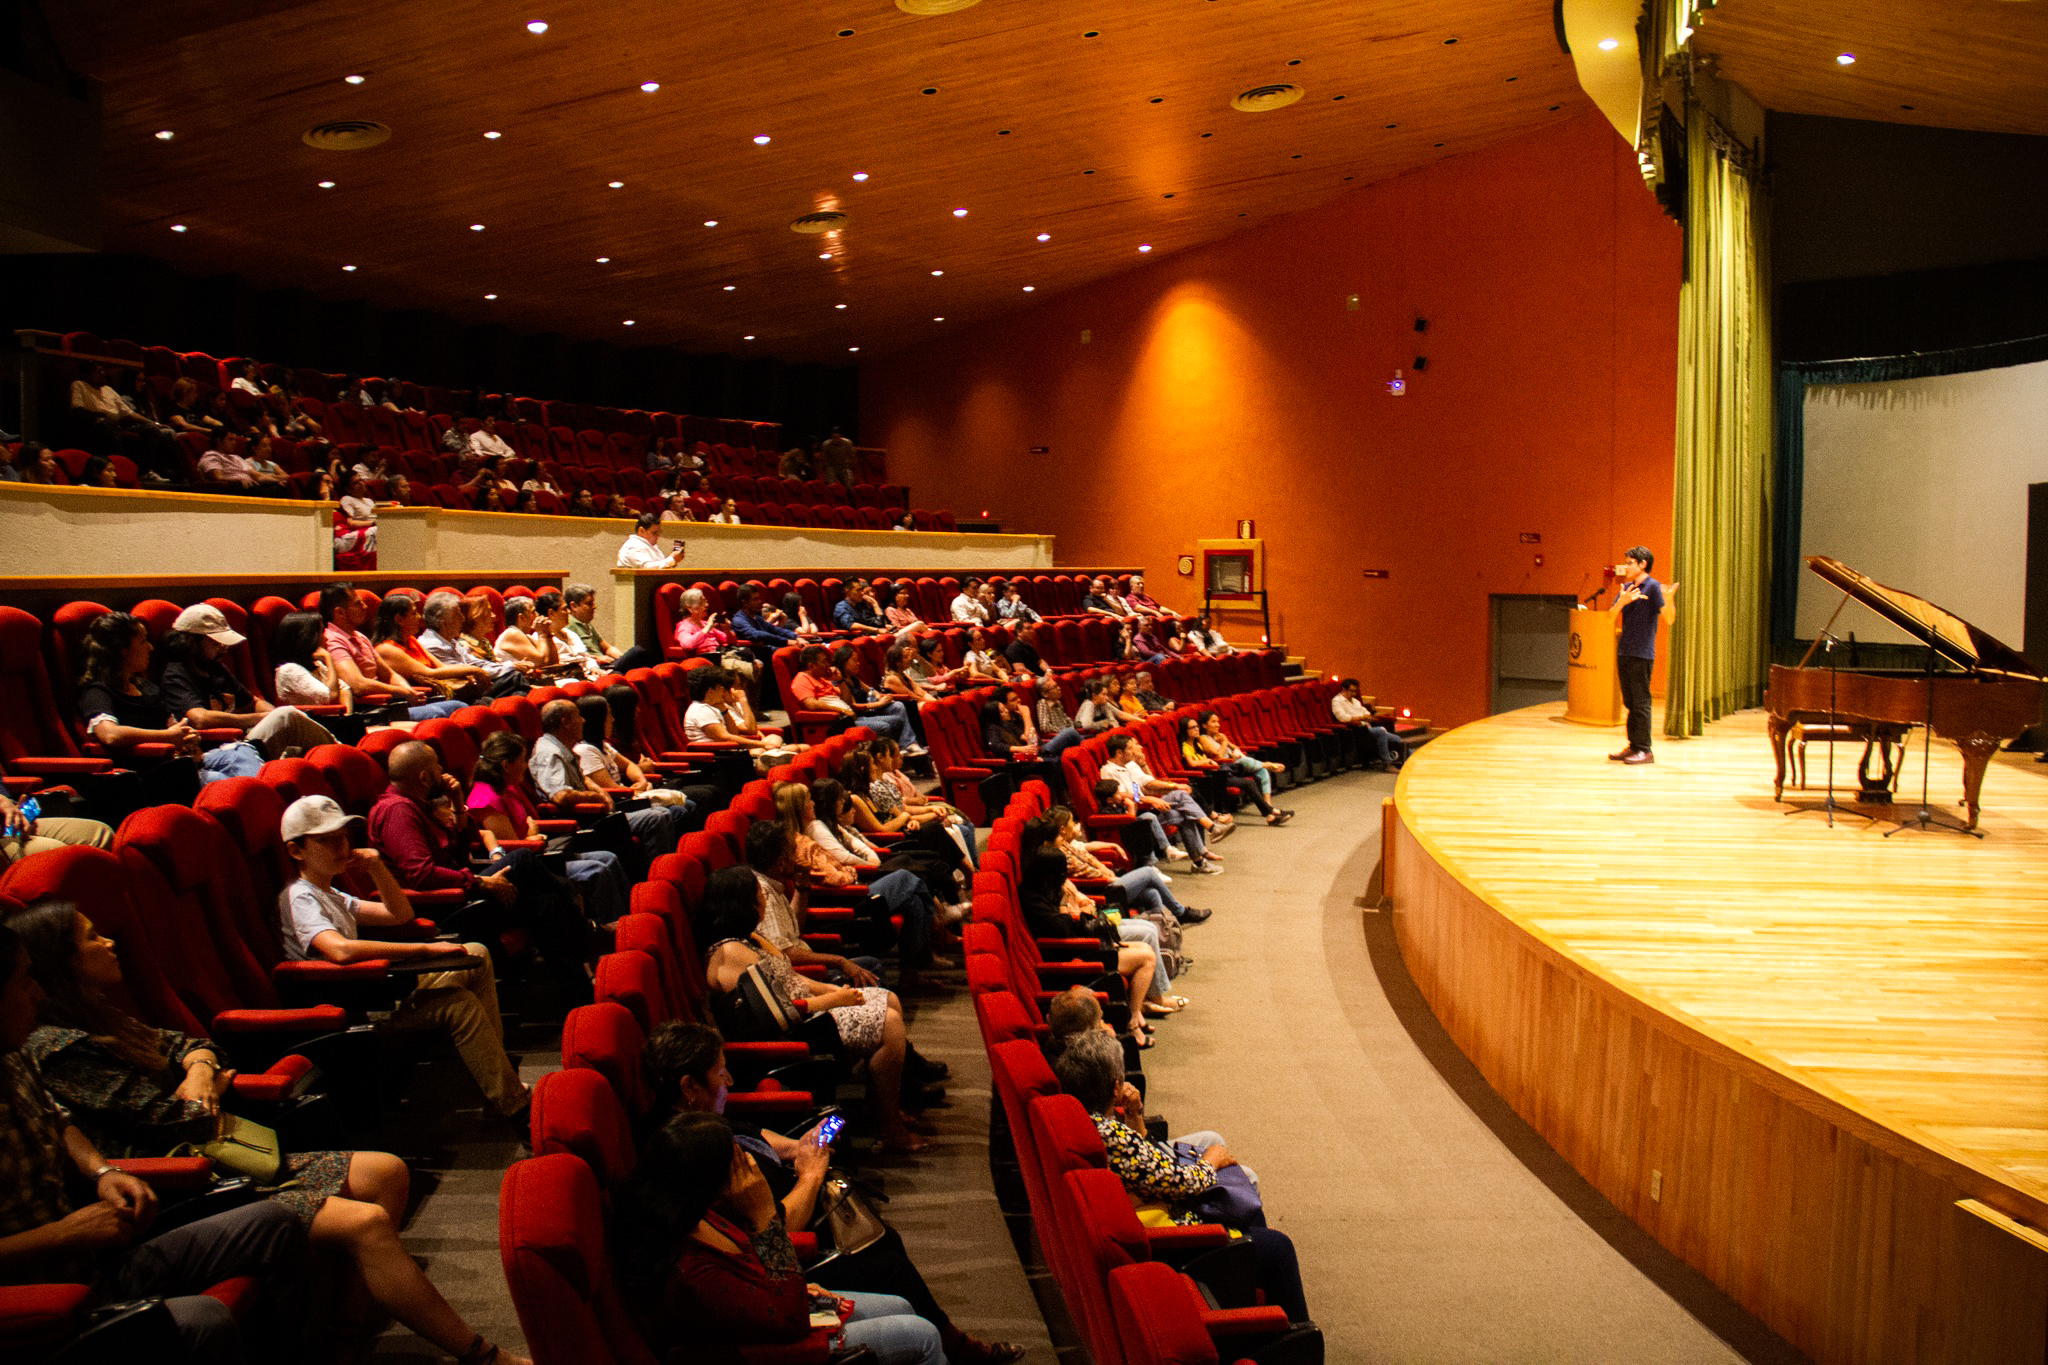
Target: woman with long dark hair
(123, 708)
(139, 1091)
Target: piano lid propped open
(1955, 639)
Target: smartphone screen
(830, 1129)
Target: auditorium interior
(633, 640)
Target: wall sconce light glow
(489, 297)
(1609, 44)
(494, 136)
(616, 185)
(349, 268)
(476, 227)
(1045, 236)
(1146, 247)
(327, 184)
(1031, 289)
(177, 227)
(959, 213)
(164, 135)
(353, 80)
(1845, 59)
(839, 305)
(860, 176)
(710, 222)
(762, 139)
(537, 26)
(649, 87)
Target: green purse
(244, 1147)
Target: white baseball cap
(208, 621)
(313, 815)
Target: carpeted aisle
(1432, 1224)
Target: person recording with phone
(639, 552)
(1638, 608)
(686, 1069)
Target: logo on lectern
(1578, 644)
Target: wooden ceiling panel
(239, 83)
(1979, 64)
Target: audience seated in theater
(8, 472)
(904, 522)
(1056, 729)
(677, 508)
(528, 638)
(874, 706)
(1054, 908)
(323, 922)
(686, 1071)
(867, 1019)
(928, 663)
(931, 843)
(122, 708)
(1197, 755)
(1178, 645)
(183, 413)
(21, 837)
(1172, 802)
(891, 787)
(551, 610)
(813, 689)
(1208, 639)
(396, 637)
(835, 459)
(707, 719)
(1189, 1180)
(701, 634)
(1099, 713)
(1139, 602)
(1101, 600)
(581, 600)
(1148, 697)
(967, 608)
(558, 775)
(796, 617)
(358, 664)
(1143, 634)
(708, 1269)
(1012, 606)
(97, 400)
(105, 1244)
(99, 472)
(263, 462)
(740, 719)
(638, 552)
(355, 523)
(1217, 745)
(901, 616)
(454, 440)
(133, 1090)
(728, 513)
(794, 464)
(898, 891)
(856, 612)
(443, 618)
(501, 805)
(422, 826)
(763, 630)
(1348, 708)
(1023, 657)
(1147, 891)
(226, 466)
(584, 505)
(39, 464)
(980, 663)
(199, 688)
(606, 767)
(486, 441)
(900, 680)
(528, 502)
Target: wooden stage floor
(1905, 977)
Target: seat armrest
(59, 767)
(311, 1019)
(168, 1172)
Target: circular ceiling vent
(346, 135)
(812, 223)
(934, 6)
(1260, 98)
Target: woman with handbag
(756, 994)
(140, 1091)
(708, 1270)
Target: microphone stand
(1927, 817)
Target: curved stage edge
(1856, 1236)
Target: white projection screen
(1922, 484)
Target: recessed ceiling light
(1031, 289)
(604, 260)
(762, 139)
(1045, 236)
(327, 184)
(489, 297)
(860, 176)
(476, 227)
(537, 26)
(853, 348)
(729, 288)
(164, 135)
(349, 268)
(616, 185)
(935, 272)
(1845, 59)
(839, 305)
(824, 255)
(959, 213)
(1146, 247)
(177, 227)
(650, 86)
(494, 136)
(628, 322)
(353, 80)
(710, 222)
(748, 337)
(938, 319)
(1609, 44)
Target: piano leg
(1976, 751)
(1778, 727)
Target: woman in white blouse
(522, 641)
(728, 513)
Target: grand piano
(1977, 691)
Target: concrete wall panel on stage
(1844, 1236)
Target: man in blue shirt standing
(1638, 607)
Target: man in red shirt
(814, 690)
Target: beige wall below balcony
(54, 532)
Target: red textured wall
(1231, 381)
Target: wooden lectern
(1592, 689)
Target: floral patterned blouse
(1149, 1170)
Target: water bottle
(31, 811)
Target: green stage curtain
(1721, 533)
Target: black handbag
(120, 1333)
